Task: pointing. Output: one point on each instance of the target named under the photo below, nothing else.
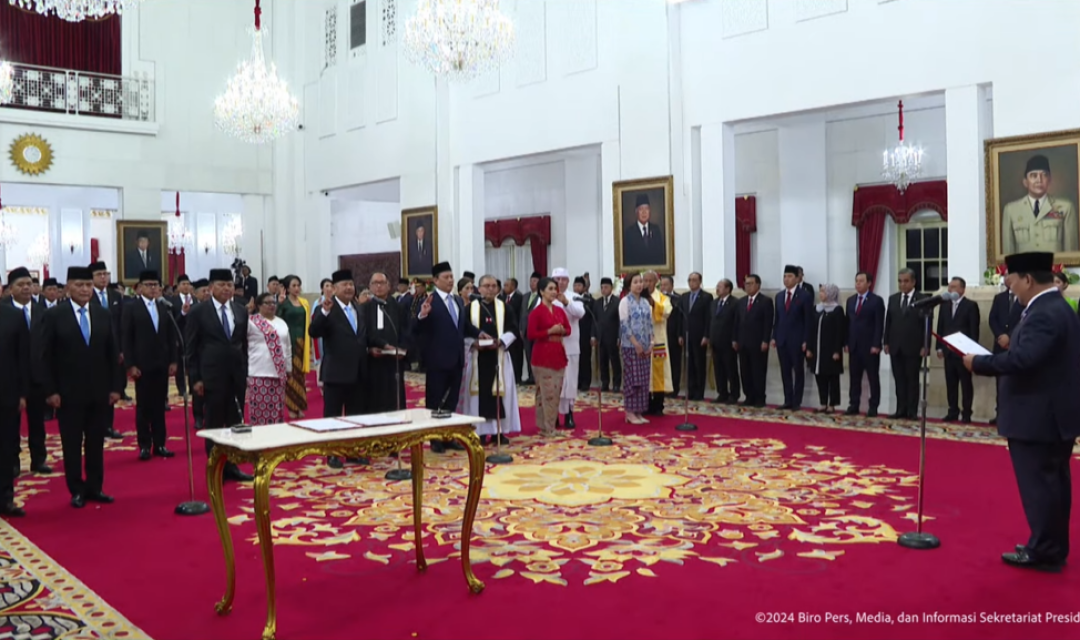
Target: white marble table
(270, 445)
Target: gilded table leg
(476, 485)
(264, 470)
(418, 504)
(215, 464)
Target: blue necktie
(104, 300)
(26, 314)
(153, 314)
(225, 323)
(351, 315)
(84, 324)
(451, 305)
(693, 299)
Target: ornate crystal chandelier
(231, 237)
(903, 164)
(7, 82)
(180, 239)
(459, 39)
(256, 106)
(77, 10)
(8, 235)
(39, 253)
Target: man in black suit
(512, 298)
(76, 361)
(249, 284)
(51, 292)
(181, 307)
(149, 347)
(420, 254)
(529, 303)
(722, 312)
(1039, 374)
(1004, 316)
(905, 344)
(962, 316)
(643, 241)
(794, 313)
(387, 327)
(585, 332)
(340, 324)
(805, 286)
(110, 299)
(15, 389)
(606, 337)
(441, 327)
(217, 353)
(753, 332)
(866, 321)
(674, 332)
(19, 282)
(140, 258)
(695, 308)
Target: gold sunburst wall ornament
(31, 154)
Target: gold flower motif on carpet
(566, 512)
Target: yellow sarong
(661, 364)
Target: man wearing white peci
(575, 310)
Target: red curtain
(31, 38)
(177, 265)
(95, 251)
(535, 229)
(745, 225)
(871, 204)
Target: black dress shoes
(100, 497)
(233, 473)
(11, 511)
(162, 452)
(871, 413)
(114, 434)
(899, 415)
(1023, 559)
(40, 467)
(78, 501)
(437, 446)
(852, 411)
(453, 445)
(144, 453)
(334, 462)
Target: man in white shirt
(575, 310)
(149, 347)
(181, 306)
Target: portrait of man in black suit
(419, 241)
(142, 248)
(644, 226)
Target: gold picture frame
(637, 250)
(129, 258)
(418, 258)
(1012, 225)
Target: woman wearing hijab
(825, 346)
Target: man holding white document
(488, 388)
(388, 343)
(1038, 407)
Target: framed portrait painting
(419, 242)
(1032, 189)
(644, 225)
(142, 245)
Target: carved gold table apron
(269, 446)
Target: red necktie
(750, 304)
(858, 306)
(787, 305)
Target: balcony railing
(83, 94)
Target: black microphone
(934, 301)
(165, 303)
(242, 427)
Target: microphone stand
(920, 539)
(191, 507)
(686, 424)
(397, 473)
(600, 440)
(499, 457)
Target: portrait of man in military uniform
(1035, 190)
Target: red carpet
(765, 518)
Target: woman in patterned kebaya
(635, 342)
(269, 362)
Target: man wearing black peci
(33, 314)
(110, 299)
(76, 361)
(753, 332)
(1038, 405)
(606, 336)
(441, 327)
(585, 332)
(345, 344)
(721, 336)
(15, 389)
(216, 339)
(181, 307)
(905, 344)
(959, 316)
(149, 347)
(695, 306)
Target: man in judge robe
(660, 384)
(1037, 407)
(388, 330)
(487, 386)
(575, 310)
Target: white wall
(758, 161)
(78, 202)
(363, 227)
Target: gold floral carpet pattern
(565, 512)
(40, 600)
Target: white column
(967, 124)
(467, 245)
(585, 221)
(718, 202)
(610, 172)
(687, 232)
(804, 239)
